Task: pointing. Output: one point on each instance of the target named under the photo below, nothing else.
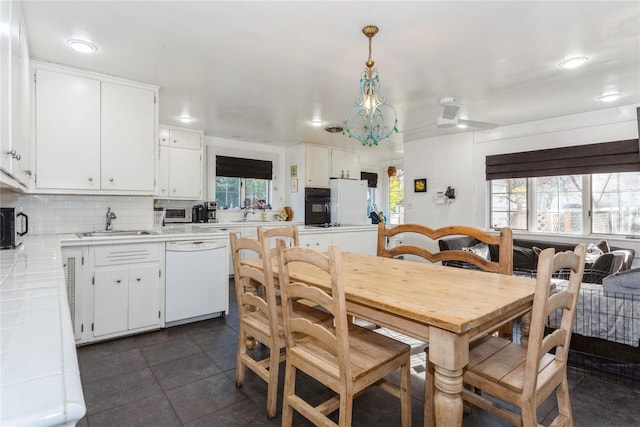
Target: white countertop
(39, 374)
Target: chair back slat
(504, 241)
(333, 334)
(545, 302)
(289, 234)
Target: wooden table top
(453, 299)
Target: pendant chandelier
(371, 119)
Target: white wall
(458, 160)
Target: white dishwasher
(197, 281)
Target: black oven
(317, 206)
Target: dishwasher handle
(193, 246)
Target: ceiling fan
(449, 117)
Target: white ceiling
(260, 71)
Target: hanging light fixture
(371, 119)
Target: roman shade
(236, 167)
(606, 157)
(372, 179)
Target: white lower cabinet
(319, 241)
(126, 299)
(360, 241)
(126, 291)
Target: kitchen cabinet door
(128, 138)
(319, 241)
(181, 138)
(68, 131)
(185, 173)
(317, 166)
(144, 296)
(110, 301)
(163, 172)
(345, 164)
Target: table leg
(449, 354)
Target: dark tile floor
(185, 376)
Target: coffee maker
(210, 211)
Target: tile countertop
(39, 375)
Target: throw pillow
(525, 258)
(593, 253)
(603, 245)
(480, 249)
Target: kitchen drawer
(127, 254)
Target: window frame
(587, 206)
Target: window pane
(559, 204)
(228, 192)
(256, 193)
(509, 203)
(615, 201)
(396, 198)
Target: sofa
(601, 261)
(606, 332)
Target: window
(396, 198)
(603, 203)
(238, 193)
(615, 203)
(243, 183)
(509, 203)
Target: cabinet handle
(110, 179)
(138, 279)
(118, 281)
(17, 157)
(175, 141)
(28, 172)
(90, 179)
(12, 152)
(174, 190)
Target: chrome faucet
(110, 216)
(246, 212)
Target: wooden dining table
(445, 306)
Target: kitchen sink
(108, 233)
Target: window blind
(606, 157)
(372, 179)
(236, 167)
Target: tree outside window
(396, 198)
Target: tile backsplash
(50, 214)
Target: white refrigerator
(348, 201)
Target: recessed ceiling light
(574, 62)
(316, 122)
(82, 46)
(610, 97)
(185, 118)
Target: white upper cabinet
(181, 163)
(128, 138)
(68, 131)
(94, 134)
(317, 165)
(345, 164)
(178, 138)
(15, 84)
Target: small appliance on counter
(198, 213)
(211, 210)
(14, 224)
(177, 215)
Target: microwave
(177, 215)
(14, 224)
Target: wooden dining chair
(289, 234)
(504, 241)
(344, 357)
(261, 316)
(524, 375)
